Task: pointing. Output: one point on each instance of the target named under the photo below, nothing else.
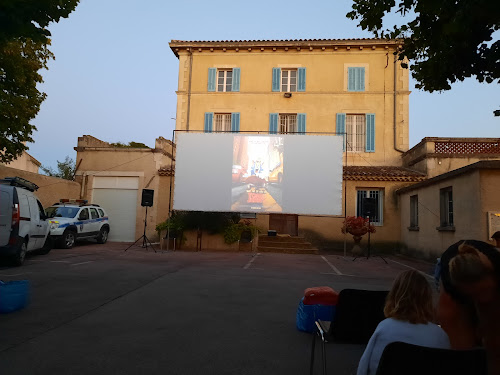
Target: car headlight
(54, 224)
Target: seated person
(469, 303)
(409, 312)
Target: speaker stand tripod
(144, 238)
(368, 254)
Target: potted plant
(357, 227)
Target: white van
(23, 224)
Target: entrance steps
(285, 244)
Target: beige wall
(325, 93)
(51, 189)
(490, 198)
(469, 217)
(98, 158)
(25, 162)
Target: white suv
(70, 221)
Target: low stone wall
(51, 189)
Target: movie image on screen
(257, 174)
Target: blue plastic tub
(308, 314)
(14, 295)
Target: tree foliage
(65, 169)
(20, 100)
(446, 40)
(131, 144)
(24, 41)
(29, 19)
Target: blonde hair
(469, 266)
(410, 299)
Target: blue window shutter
(301, 122)
(302, 79)
(236, 79)
(351, 80)
(235, 122)
(276, 79)
(212, 73)
(340, 127)
(370, 132)
(361, 79)
(356, 79)
(273, 123)
(209, 118)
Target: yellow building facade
(310, 86)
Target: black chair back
(402, 358)
(357, 314)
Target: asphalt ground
(97, 309)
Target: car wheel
(21, 253)
(103, 235)
(48, 245)
(68, 239)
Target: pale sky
(115, 76)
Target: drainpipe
(189, 87)
(395, 105)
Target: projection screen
(285, 173)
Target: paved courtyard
(97, 309)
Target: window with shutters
(356, 77)
(414, 212)
(222, 122)
(356, 132)
(446, 209)
(288, 80)
(287, 123)
(224, 80)
(378, 195)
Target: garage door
(118, 196)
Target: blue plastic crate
(14, 295)
(308, 314)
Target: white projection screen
(285, 173)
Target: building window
(446, 209)
(288, 123)
(414, 211)
(224, 80)
(222, 122)
(356, 79)
(378, 217)
(288, 80)
(356, 132)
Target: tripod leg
(146, 239)
(137, 240)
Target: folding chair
(402, 358)
(357, 314)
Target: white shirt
(391, 330)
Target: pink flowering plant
(357, 226)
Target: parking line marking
(247, 266)
(77, 264)
(59, 261)
(335, 269)
(405, 265)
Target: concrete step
(282, 239)
(289, 250)
(283, 244)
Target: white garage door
(118, 196)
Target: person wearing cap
(496, 237)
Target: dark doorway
(284, 224)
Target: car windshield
(62, 211)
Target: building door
(284, 224)
(119, 198)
